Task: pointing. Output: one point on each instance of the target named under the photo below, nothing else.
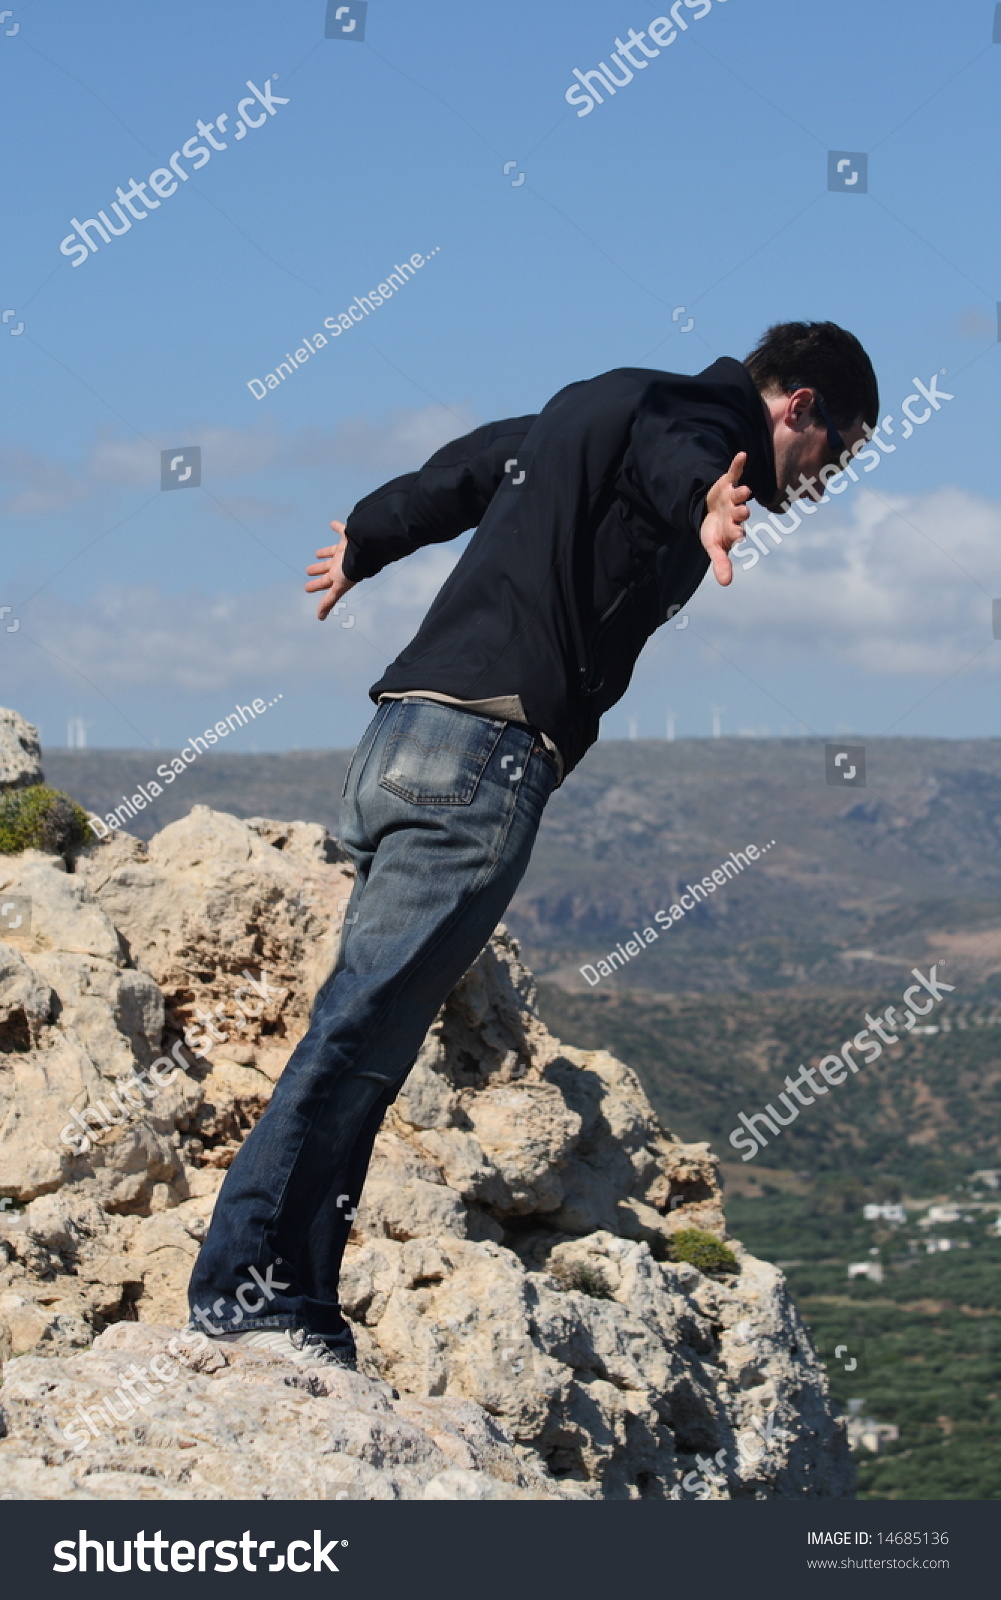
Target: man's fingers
(737, 466)
(716, 548)
(722, 568)
(325, 573)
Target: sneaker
(295, 1344)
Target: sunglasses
(835, 442)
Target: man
(596, 520)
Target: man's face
(801, 444)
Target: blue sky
(701, 185)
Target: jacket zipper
(585, 648)
(587, 671)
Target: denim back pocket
(435, 755)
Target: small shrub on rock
(702, 1250)
(40, 818)
(582, 1276)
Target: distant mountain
(292, 785)
(858, 885)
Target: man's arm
(688, 470)
(675, 462)
(445, 498)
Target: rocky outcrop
(510, 1269)
(20, 752)
(224, 1424)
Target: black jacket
(587, 520)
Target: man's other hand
(726, 511)
(326, 573)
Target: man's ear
(799, 411)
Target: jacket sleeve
(446, 497)
(676, 455)
(676, 469)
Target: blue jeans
(439, 815)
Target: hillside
(858, 886)
(922, 1347)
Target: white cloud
(397, 442)
(136, 638)
(899, 586)
(41, 484)
(864, 588)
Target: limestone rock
(145, 1415)
(235, 920)
(509, 1266)
(20, 752)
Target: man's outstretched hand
(326, 573)
(726, 511)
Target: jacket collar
(759, 472)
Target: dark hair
(821, 356)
